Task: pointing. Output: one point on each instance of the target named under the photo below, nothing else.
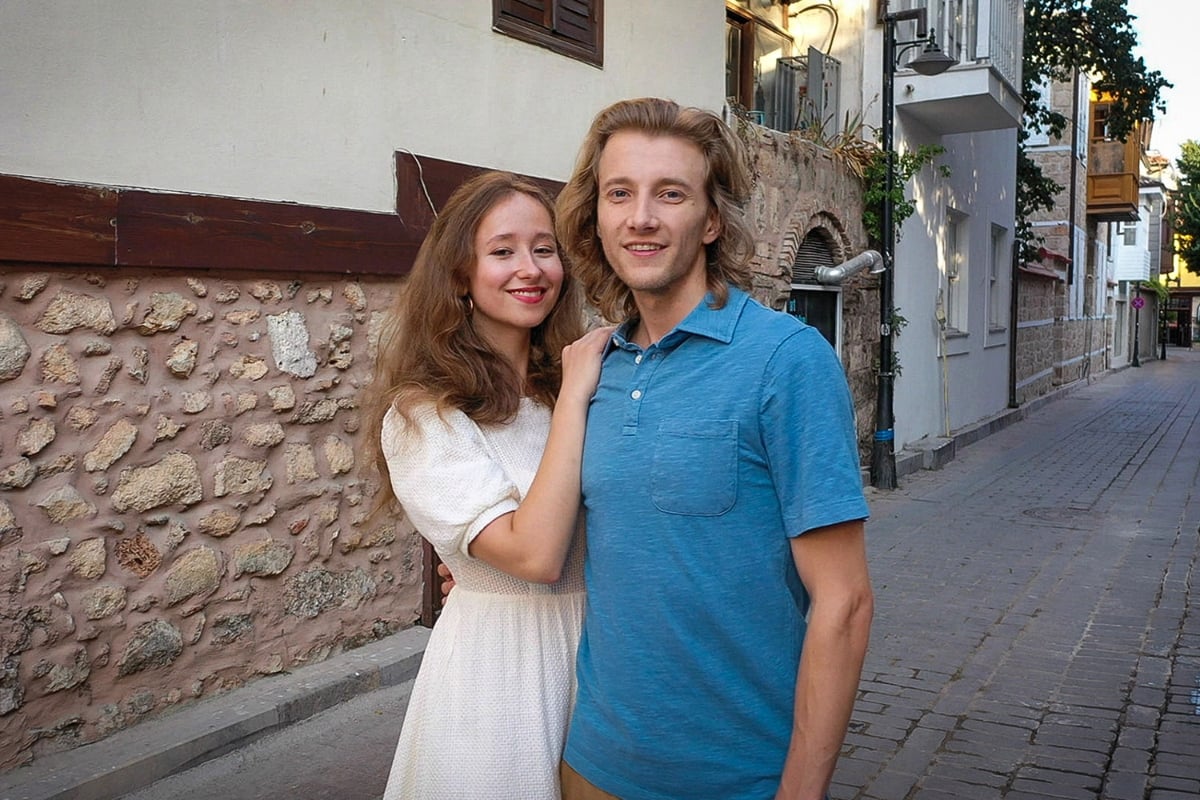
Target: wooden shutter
(573, 20)
(571, 27)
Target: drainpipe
(1071, 274)
(1014, 308)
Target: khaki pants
(576, 787)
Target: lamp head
(932, 60)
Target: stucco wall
(308, 101)
(181, 509)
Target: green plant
(1064, 39)
(1187, 206)
(896, 323)
(848, 146)
(904, 166)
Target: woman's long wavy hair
(728, 187)
(429, 350)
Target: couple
(728, 603)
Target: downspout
(1074, 174)
(1014, 308)
(1073, 273)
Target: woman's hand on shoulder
(581, 364)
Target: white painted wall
(974, 376)
(1132, 261)
(980, 187)
(306, 101)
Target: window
(1128, 233)
(753, 47)
(999, 259)
(573, 28)
(1036, 135)
(817, 305)
(1099, 122)
(956, 270)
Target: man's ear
(712, 226)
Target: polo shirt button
(637, 359)
(637, 394)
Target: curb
(935, 452)
(138, 756)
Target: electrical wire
(827, 8)
(421, 179)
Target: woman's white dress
(491, 704)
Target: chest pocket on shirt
(695, 467)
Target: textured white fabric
(491, 705)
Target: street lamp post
(931, 61)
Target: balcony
(982, 93)
(1112, 180)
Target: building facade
(204, 211)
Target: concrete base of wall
(936, 452)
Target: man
(721, 488)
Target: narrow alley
(1035, 635)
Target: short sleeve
(445, 477)
(808, 425)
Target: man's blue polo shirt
(705, 453)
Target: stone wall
(1083, 346)
(180, 505)
(1035, 336)
(800, 187)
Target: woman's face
(518, 275)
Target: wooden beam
(42, 221)
(205, 232)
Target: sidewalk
(1034, 636)
(139, 756)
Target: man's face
(653, 215)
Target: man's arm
(832, 563)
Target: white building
(308, 101)
(954, 255)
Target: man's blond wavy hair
(727, 185)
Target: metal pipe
(835, 275)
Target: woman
(467, 373)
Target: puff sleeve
(445, 476)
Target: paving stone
(1039, 584)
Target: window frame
(998, 258)
(549, 32)
(956, 253)
(748, 22)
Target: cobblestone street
(1034, 635)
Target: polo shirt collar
(717, 324)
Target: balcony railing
(983, 91)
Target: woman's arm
(531, 543)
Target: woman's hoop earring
(470, 304)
